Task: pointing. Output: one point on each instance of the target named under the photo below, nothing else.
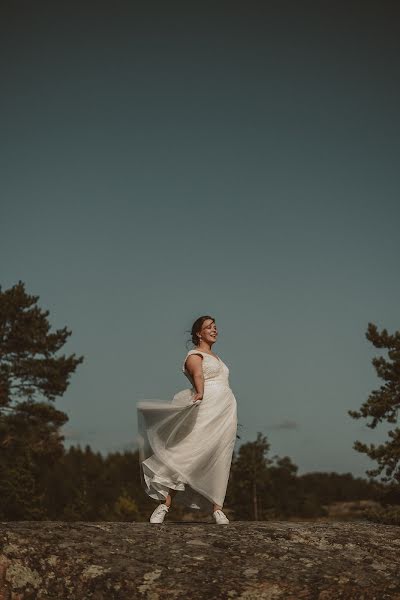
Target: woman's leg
(170, 496)
(172, 493)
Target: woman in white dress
(186, 445)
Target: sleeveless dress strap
(193, 351)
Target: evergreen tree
(31, 377)
(262, 488)
(383, 405)
(249, 478)
(282, 498)
(333, 487)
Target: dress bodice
(214, 369)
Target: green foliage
(335, 487)
(85, 486)
(383, 405)
(28, 365)
(20, 498)
(125, 508)
(249, 477)
(263, 488)
(39, 479)
(31, 376)
(388, 515)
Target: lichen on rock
(243, 560)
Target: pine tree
(31, 377)
(249, 476)
(383, 405)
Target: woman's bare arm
(195, 370)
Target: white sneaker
(159, 513)
(220, 517)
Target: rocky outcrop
(242, 560)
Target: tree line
(41, 480)
(83, 485)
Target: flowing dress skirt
(188, 446)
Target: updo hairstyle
(196, 328)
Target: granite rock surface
(243, 560)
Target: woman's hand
(197, 396)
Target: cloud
(126, 447)
(118, 445)
(285, 424)
(74, 435)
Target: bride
(186, 445)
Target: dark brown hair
(196, 328)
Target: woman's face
(209, 331)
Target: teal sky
(164, 162)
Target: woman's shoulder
(195, 351)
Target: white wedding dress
(188, 446)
